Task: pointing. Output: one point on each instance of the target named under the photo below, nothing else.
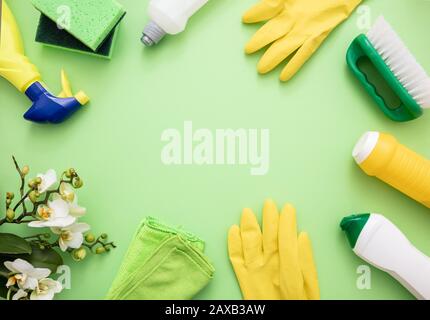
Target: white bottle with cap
(168, 17)
(378, 241)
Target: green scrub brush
(397, 67)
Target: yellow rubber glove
(273, 264)
(254, 255)
(299, 279)
(295, 26)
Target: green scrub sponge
(48, 34)
(89, 21)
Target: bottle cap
(365, 146)
(152, 34)
(352, 226)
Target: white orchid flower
(48, 179)
(46, 289)
(24, 274)
(20, 294)
(67, 193)
(71, 236)
(55, 214)
(75, 210)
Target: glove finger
(270, 227)
(291, 275)
(235, 253)
(251, 237)
(271, 31)
(235, 250)
(301, 56)
(264, 10)
(309, 270)
(278, 52)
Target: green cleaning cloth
(89, 21)
(162, 263)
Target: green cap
(352, 225)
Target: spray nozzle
(53, 109)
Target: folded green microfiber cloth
(162, 263)
(89, 21)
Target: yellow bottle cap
(82, 98)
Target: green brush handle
(408, 109)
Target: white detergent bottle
(168, 17)
(378, 241)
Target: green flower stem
(20, 219)
(99, 242)
(89, 246)
(22, 201)
(22, 176)
(10, 291)
(25, 221)
(51, 245)
(36, 236)
(43, 243)
(22, 216)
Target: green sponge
(89, 21)
(48, 34)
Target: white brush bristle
(401, 62)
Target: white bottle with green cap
(378, 241)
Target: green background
(203, 75)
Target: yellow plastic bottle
(20, 72)
(382, 156)
(14, 65)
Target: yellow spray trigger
(65, 85)
(67, 90)
(16, 68)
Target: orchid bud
(100, 250)
(103, 236)
(79, 254)
(25, 170)
(38, 180)
(90, 238)
(10, 195)
(34, 195)
(77, 183)
(32, 183)
(70, 173)
(10, 215)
